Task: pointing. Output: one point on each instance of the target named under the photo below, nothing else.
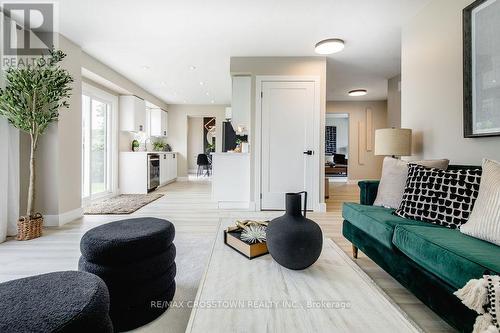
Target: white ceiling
(170, 36)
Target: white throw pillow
(393, 181)
(484, 222)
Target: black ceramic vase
(294, 241)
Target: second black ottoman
(136, 259)
(70, 301)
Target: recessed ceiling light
(329, 46)
(145, 67)
(192, 68)
(202, 83)
(358, 92)
(207, 93)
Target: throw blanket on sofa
(483, 296)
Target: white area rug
(192, 256)
(122, 204)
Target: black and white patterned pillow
(441, 197)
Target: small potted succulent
(159, 146)
(135, 145)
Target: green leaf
(34, 94)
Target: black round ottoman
(55, 302)
(136, 260)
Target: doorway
(98, 144)
(337, 147)
(289, 155)
(201, 140)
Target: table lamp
(393, 142)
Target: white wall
(292, 66)
(195, 141)
(178, 129)
(367, 166)
(432, 79)
(394, 102)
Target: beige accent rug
(122, 204)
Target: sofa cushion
(439, 197)
(454, 257)
(378, 222)
(393, 181)
(484, 222)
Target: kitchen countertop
(231, 154)
(148, 152)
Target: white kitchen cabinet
(241, 103)
(172, 167)
(231, 180)
(132, 114)
(168, 168)
(158, 122)
(133, 172)
(164, 161)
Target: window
(97, 146)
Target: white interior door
(287, 141)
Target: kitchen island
(231, 180)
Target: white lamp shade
(393, 142)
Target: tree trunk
(30, 210)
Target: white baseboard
(62, 219)
(321, 207)
(182, 179)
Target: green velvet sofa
(431, 261)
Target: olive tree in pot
(31, 101)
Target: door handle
(309, 152)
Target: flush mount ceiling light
(358, 92)
(329, 46)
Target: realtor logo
(28, 28)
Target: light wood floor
(188, 206)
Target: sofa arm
(368, 192)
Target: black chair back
(339, 159)
(202, 160)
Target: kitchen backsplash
(126, 139)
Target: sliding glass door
(96, 149)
